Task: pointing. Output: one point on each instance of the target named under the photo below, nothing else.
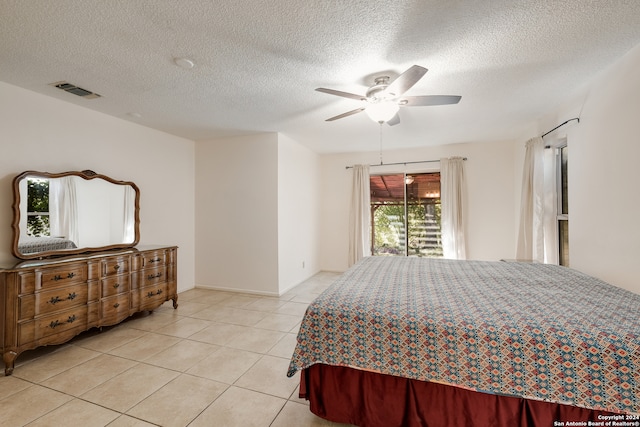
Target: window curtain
(550, 222)
(360, 215)
(63, 209)
(531, 230)
(129, 234)
(453, 201)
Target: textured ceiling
(259, 61)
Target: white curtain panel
(531, 230)
(56, 227)
(453, 201)
(360, 215)
(63, 209)
(129, 232)
(550, 223)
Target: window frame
(562, 196)
(406, 214)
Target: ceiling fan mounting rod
(380, 86)
(382, 80)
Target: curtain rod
(560, 125)
(401, 163)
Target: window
(563, 205)
(38, 207)
(405, 214)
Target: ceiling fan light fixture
(382, 111)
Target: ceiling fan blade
(406, 80)
(418, 101)
(348, 113)
(343, 94)
(394, 120)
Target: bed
(413, 341)
(32, 244)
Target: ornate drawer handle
(54, 300)
(59, 277)
(116, 267)
(72, 296)
(151, 293)
(116, 285)
(154, 276)
(116, 305)
(155, 260)
(54, 324)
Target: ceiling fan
(384, 98)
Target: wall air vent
(68, 87)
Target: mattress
(535, 331)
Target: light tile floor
(220, 359)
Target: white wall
(491, 188)
(604, 198)
(237, 213)
(257, 213)
(47, 135)
(298, 213)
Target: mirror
(72, 212)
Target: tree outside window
(38, 207)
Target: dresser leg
(9, 360)
(175, 302)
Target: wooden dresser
(50, 301)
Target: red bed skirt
(369, 399)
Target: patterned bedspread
(531, 330)
(30, 245)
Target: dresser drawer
(153, 259)
(45, 302)
(115, 266)
(61, 299)
(153, 276)
(150, 297)
(61, 276)
(115, 285)
(115, 309)
(58, 323)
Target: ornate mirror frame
(86, 175)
